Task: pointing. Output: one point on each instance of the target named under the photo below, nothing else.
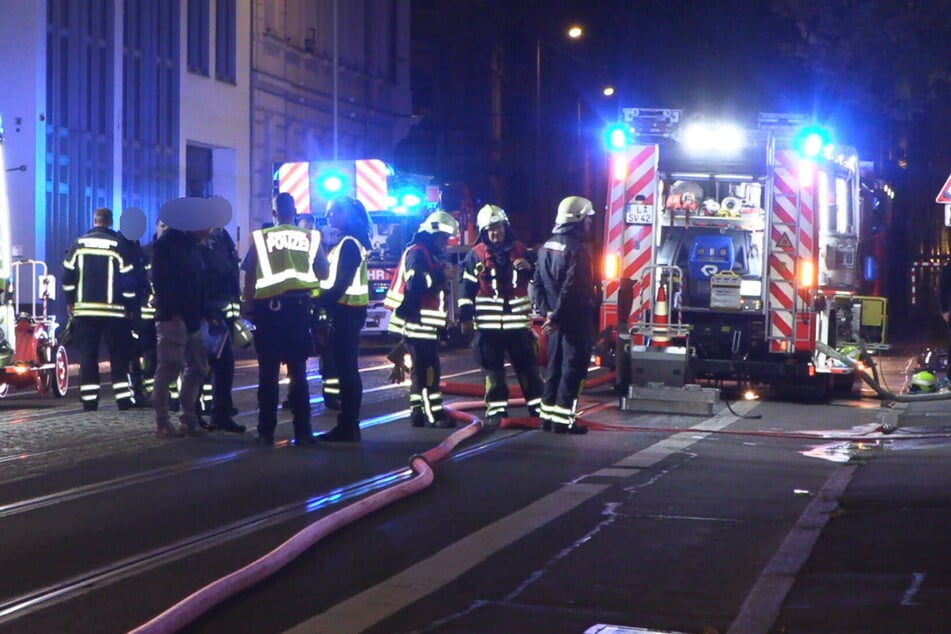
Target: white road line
(761, 607)
(405, 588)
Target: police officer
(279, 278)
(494, 281)
(223, 297)
(100, 296)
(344, 296)
(417, 297)
(564, 282)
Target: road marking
(761, 607)
(385, 599)
(405, 588)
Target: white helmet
(489, 215)
(573, 209)
(440, 222)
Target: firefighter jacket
(178, 278)
(417, 294)
(564, 279)
(98, 275)
(222, 275)
(140, 279)
(284, 260)
(348, 282)
(493, 290)
(148, 305)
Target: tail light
(807, 274)
(612, 266)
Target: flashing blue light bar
(617, 137)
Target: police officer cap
(132, 223)
(190, 214)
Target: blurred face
(337, 219)
(441, 239)
(495, 232)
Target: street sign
(944, 196)
(947, 215)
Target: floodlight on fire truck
(721, 138)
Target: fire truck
(730, 253)
(397, 202)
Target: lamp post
(573, 32)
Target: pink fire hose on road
(190, 608)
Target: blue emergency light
(617, 137)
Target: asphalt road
(764, 516)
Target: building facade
(128, 103)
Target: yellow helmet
(573, 209)
(440, 222)
(489, 215)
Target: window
(225, 44)
(198, 29)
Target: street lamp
(574, 32)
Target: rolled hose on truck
(873, 382)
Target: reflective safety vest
(358, 292)
(501, 303)
(432, 315)
(97, 276)
(285, 260)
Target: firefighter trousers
(490, 348)
(88, 333)
(569, 353)
(221, 369)
(425, 397)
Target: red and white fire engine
(397, 203)
(731, 253)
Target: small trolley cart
(30, 354)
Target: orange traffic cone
(661, 338)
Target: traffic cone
(661, 338)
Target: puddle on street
(843, 452)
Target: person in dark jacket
(944, 303)
(178, 280)
(223, 302)
(132, 227)
(98, 286)
(344, 295)
(417, 297)
(494, 281)
(565, 293)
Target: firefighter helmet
(489, 215)
(573, 209)
(241, 334)
(440, 222)
(923, 381)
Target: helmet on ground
(489, 215)
(241, 334)
(923, 382)
(573, 209)
(851, 351)
(440, 222)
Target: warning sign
(784, 243)
(944, 196)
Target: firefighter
(132, 227)
(565, 292)
(494, 280)
(223, 297)
(100, 296)
(279, 278)
(344, 297)
(417, 297)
